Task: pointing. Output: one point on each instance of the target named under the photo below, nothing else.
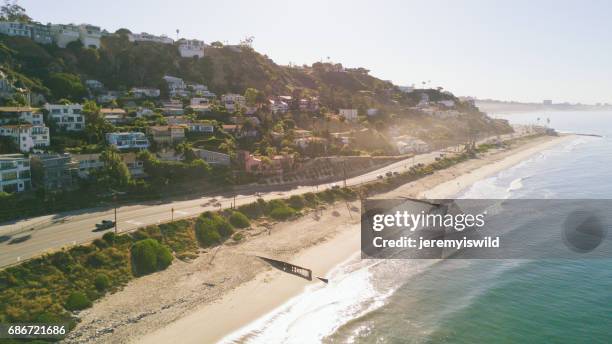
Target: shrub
(77, 301)
(219, 223)
(253, 210)
(282, 213)
(296, 202)
(238, 237)
(109, 238)
(239, 220)
(149, 256)
(97, 260)
(206, 232)
(311, 199)
(102, 282)
(274, 204)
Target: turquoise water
(512, 301)
(472, 301)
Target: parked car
(389, 174)
(379, 176)
(105, 224)
(335, 186)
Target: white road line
(181, 212)
(133, 222)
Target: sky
(507, 50)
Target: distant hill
(120, 64)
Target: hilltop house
(27, 136)
(63, 34)
(68, 117)
(145, 37)
(15, 173)
(129, 140)
(38, 32)
(191, 48)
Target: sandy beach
(227, 287)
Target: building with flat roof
(58, 171)
(27, 136)
(20, 114)
(67, 117)
(128, 140)
(15, 173)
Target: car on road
(396, 173)
(389, 174)
(335, 186)
(105, 224)
(380, 176)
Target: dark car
(105, 224)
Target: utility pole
(115, 201)
(172, 215)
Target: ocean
(472, 301)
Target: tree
(66, 85)
(96, 127)
(11, 11)
(115, 173)
(251, 95)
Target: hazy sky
(510, 50)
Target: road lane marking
(133, 222)
(181, 212)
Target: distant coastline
(497, 106)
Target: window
(9, 176)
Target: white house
(233, 102)
(68, 117)
(144, 92)
(27, 136)
(90, 35)
(21, 114)
(129, 140)
(214, 158)
(88, 163)
(278, 106)
(145, 37)
(94, 84)
(14, 173)
(407, 144)
(36, 31)
(64, 34)
(448, 103)
(176, 86)
(191, 48)
(349, 114)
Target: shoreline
(187, 300)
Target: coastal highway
(25, 239)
